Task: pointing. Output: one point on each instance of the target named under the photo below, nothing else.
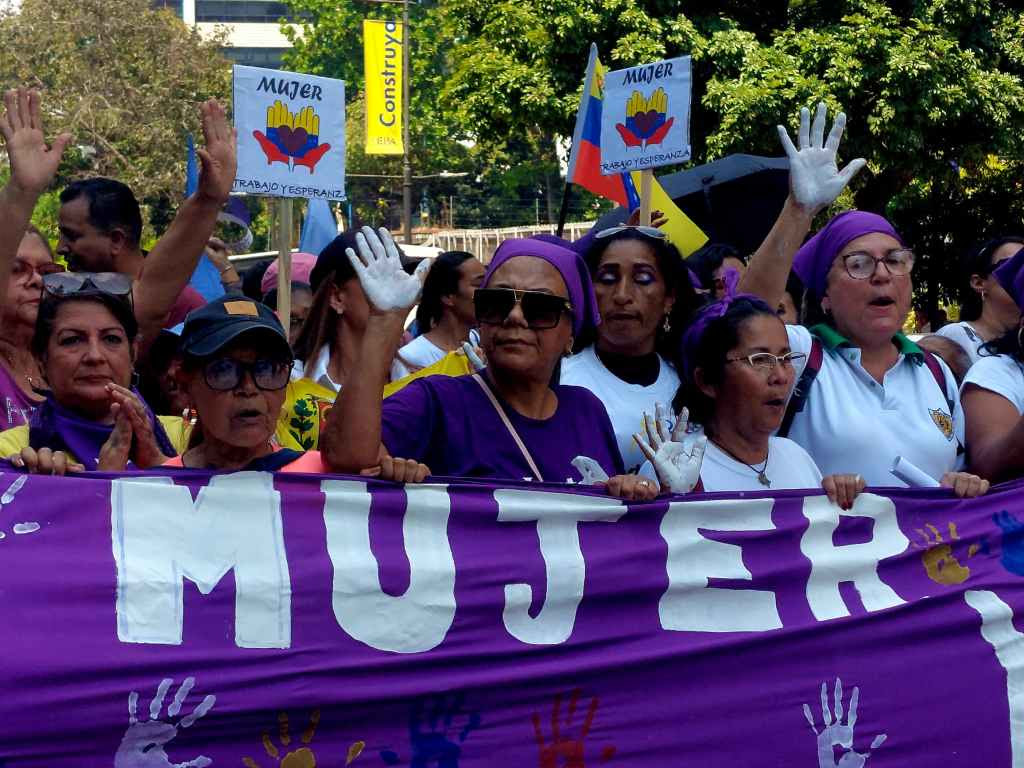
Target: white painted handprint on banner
(835, 734)
(143, 743)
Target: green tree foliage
(124, 79)
(933, 90)
(932, 87)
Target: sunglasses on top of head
(652, 232)
(540, 310)
(70, 283)
(224, 373)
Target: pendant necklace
(762, 477)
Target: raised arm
(33, 165)
(351, 440)
(173, 259)
(815, 181)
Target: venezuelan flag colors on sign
(585, 166)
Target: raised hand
(142, 745)
(676, 458)
(219, 157)
(379, 267)
(814, 177)
(835, 734)
(33, 163)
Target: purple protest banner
(298, 621)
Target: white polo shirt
(1001, 374)
(625, 402)
(787, 466)
(851, 424)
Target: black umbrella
(735, 200)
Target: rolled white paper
(912, 475)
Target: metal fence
(483, 242)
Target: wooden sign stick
(646, 177)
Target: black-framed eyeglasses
(540, 310)
(225, 373)
(70, 283)
(861, 266)
(654, 232)
(766, 361)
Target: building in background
(254, 30)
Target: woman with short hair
(85, 342)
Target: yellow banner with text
(382, 56)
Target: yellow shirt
(307, 403)
(177, 429)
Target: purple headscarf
(815, 257)
(570, 266)
(707, 314)
(1010, 275)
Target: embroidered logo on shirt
(943, 421)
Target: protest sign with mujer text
(291, 134)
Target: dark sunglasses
(541, 310)
(70, 283)
(224, 374)
(654, 232)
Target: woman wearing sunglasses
(644, 298)
(987, 311)
(510, 420)
(85, 342)
(993, 390)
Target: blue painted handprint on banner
(1013, 541)
(437, 730)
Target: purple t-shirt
(16, 408)
(449, 424)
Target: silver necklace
(762, 478)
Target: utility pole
(406, 166)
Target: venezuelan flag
(585, 166)
(585, 157)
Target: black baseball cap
(211, 327)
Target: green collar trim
(832, 340)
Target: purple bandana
(815, 257)
(708, 314)
(570, 266)
(1010, 275)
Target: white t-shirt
(1001, 374)
(852, 424)
(964, 335)
(421, 352)
(789, 466)
(418, 353)
(318, 371)
(625, 402)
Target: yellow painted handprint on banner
(645, 119)
(292, 138)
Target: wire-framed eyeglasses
(766, 361)
(861, 266)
